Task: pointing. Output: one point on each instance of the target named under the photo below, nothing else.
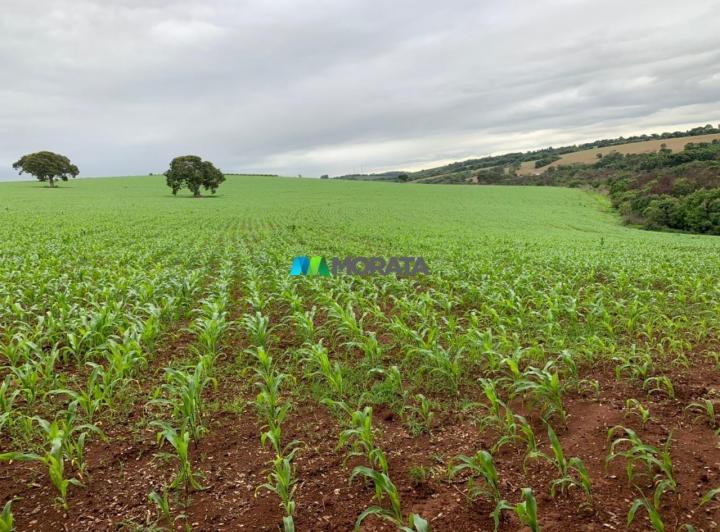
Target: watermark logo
(309, 266)
(409, 266)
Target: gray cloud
(313, 86)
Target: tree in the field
(402, 178)
(46, 166)
(192, 172)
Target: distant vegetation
(46, 166)
(385, 176)
(467, 171)
(250, 174)
(663, 189)
(544, 161)
(192, 172)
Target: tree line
(664, 190)
(459, 172)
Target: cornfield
(160, 368)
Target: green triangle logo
(318, 266)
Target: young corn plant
(495, 407)
(651, 506)
(631, 447)
(90, 400)
(185, 477)
(661, 385)
(359, 436)
(371, 349)
(709, 496)
(516, 428)
(270, 406)
(509, 430)
(162, 503)
(7, 399)
(76, 438)
(304, 322)
(346, 325)
(571, 376)
(54, 458)
(705, 410)
(385, 488)
(419, 417)
(545, 390)
(317, 358)
(390, 391)
(572, 471)
(209, 327)
(7, 521)
(258, 329)
(482, 480)
(636, 408)
(444, 364)
(637, 365)
(256, 297)
(525, 510)
(183, 391)
(282, 482)
(29, 381)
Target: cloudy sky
(338, 86)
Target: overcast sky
(339, 86)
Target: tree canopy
(46, 166)
(192, 172)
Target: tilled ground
(124, 471)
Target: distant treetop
(46, 166)
(192, 172)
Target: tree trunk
(52, 183)
(196, 194)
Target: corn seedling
(360, 438)
(709, 496)
(482, 480)
(420, 416)
(53, 458)
(305, 325)
(572, 471)
(185, 477)
(317, 358)
(636, 452)
(384, 488)
(495, 407)
(660, 384)
(525, 510)
(7, 522)
(258, 328)
(705, 410)
(545, 391)
(635, 407)
(282, 482)
(162, 503)
(651, 506)
(183, 390)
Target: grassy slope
(590, 156)
(381, 212)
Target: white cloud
(319, 86)
(185, 32)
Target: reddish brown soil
(123, 471)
